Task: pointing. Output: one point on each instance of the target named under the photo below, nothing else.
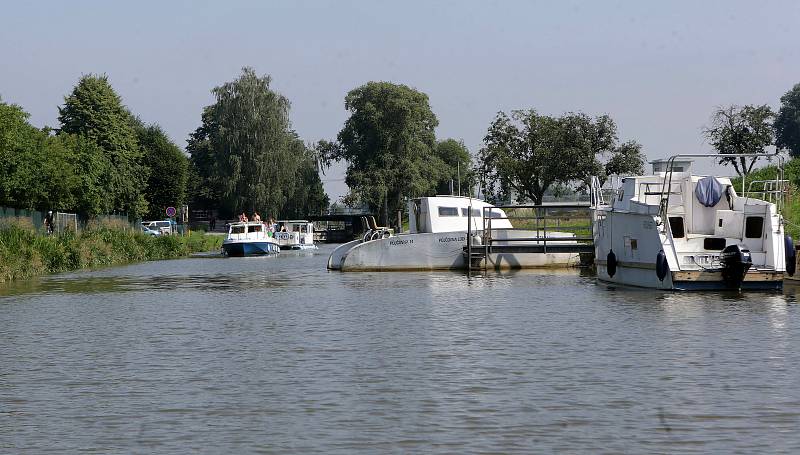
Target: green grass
(25, 253)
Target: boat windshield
(237, 229)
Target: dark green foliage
(389, 144)
(245, 157)
(307, 196)
(95, 112)
(529, 153)
(169, 170)
(746, 129)
(456, 163)
(787, 122)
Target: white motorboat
(676, 230)
(438, 230)
(249, 239)
(295, 235)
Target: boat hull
(249, 248)
(434, 251)
(298, 247)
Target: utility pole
(458, 167)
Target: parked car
(146, 230)
(164, 227)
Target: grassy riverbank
(25, 253)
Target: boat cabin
(250, 230)
(294, 232)
(452, 214)
(704, 214)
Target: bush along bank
(26, 252)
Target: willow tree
(246, 133)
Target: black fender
(611, 263)
(662, 266)
(790, 254)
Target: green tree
(18, 172)
(206, 181)
(307, 196)
(94, 110)
(531, 154)
(245, 157)
(737, 130)
(456, 163)
(389, 143)
(523, 154)
(787, 122)
(626, 159)
(169, 168)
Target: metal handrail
(664, 202)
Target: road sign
(171, 211)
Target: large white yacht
(438, 230)
(676, 230)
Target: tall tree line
(100, 160)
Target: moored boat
(249, 239)
(437, 237)
(676, 230)
(295, 235)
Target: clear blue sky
(658, 68)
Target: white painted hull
(636, 241)
(438, 251)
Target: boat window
(237, 230)
(303, 228)
(754, 227)
(676, 226)
(495, 214)
(714, 243)
(448, 211)
(254, 228)
(475, 212)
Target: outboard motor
(736, 261)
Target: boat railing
(665, 194)
(770, 190)
(547, 222)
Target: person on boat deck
(256, 217)
(270, 226)
(243, 217)
(283, 228)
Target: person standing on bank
(48, 222)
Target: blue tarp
(708, 191)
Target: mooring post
(469, 238)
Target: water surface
(278, 355)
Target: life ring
(662, 266)
(790, 254)
(611, 264)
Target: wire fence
(62, 221)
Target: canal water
(278, 355)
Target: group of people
(270, 225)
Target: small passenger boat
(295, 235)
(249, 239)
(676, 230)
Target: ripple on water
(279, 355)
